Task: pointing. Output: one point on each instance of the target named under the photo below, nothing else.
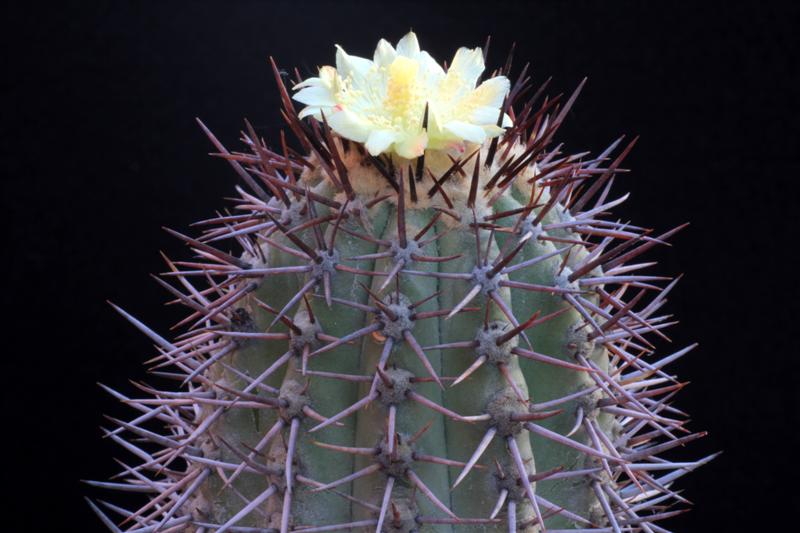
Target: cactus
(432, 323)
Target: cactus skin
(393, 328)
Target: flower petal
(467, 65)
(491, 92)
(379, 140)
(408, 46)
(485, 115)
(351, 66)
(348, 125)
(313, 111)
(465, 130)
(384, 53)
(310, 82)
(327, 78)
(316, 96)
(412, 146)
(429, 64)
(492, 131)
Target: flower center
(402, 91)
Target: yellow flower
(381, 103)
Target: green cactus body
(432, 343)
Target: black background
(100, 149)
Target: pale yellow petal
(310, 82)
(465, 130)
(442, 141)
(379, 141)
(492, 131)
(408, 46)
(485, 115)
(327, 78)
(430, 65)
(348, 66)
(491, 92)
(348, 124)
(466, 66)
(315, 96)
(412, 146)
(310, 111)
(384, 53)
